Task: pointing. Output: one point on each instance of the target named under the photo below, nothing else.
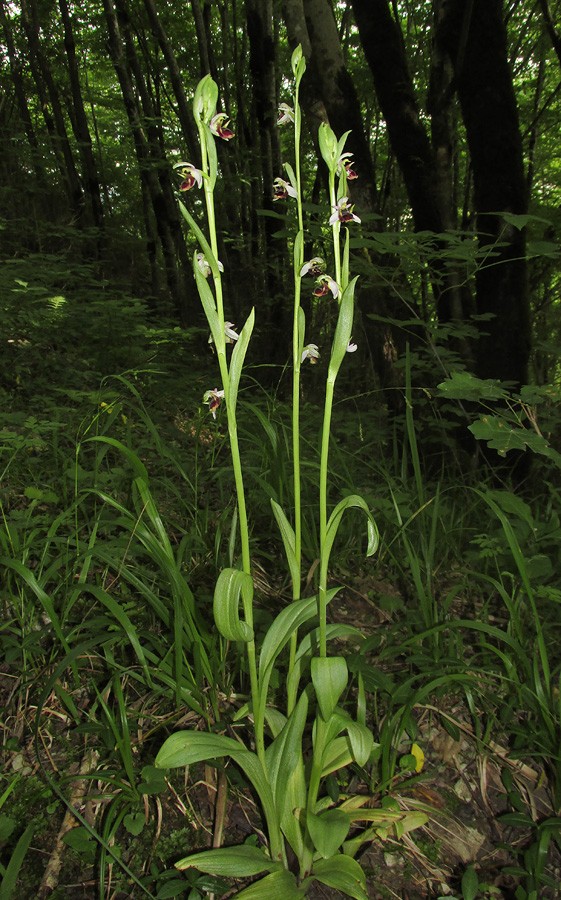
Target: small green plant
(302, 819)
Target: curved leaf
(342, 873)
(355, 501)
(231, 585)
(279, 885)
(328, 831)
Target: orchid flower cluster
(302, 821)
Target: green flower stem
(296, 343)
(336, 228)
(259, 723)
(322, 590)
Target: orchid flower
(343, 212)
(230, 335)
(190, 174)
(346, 162)
(286, 114)
(310, 352)
(324, 284)
(282, 190)
(204, 265)
(219, 126)
(314, 267)
(213, 399)
(352, 348)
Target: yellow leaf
(419, 756)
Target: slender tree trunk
(184, 113)
(49, 99)
(81, 128)
(153, 169)
(382, 42)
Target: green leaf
(288, 539)
(343, 330)
(357, 502)
(470, 884)
(337, 755)
(134, 823)
(328, 146)
(237, 361)
(231, 585)
(279, 885)
(362, 742)
(8, 885)
(234, 862)
(209, 306)
(285, 752)
(342, 873)
(329, 677)
(465, 386)
(328, 830)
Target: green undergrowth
(117, 517)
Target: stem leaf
(343, 330)
(288, 539)
(242, 861)
(344, 874)
(329, 677)
(328, 831)
(231, 585)
(237, 361)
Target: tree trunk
(152, 165)
(334, 86)
(474, 35)
(48, 95)
(81, 129)
(185, 115)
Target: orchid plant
(303, 821)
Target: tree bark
(153, 168)
(50, 100)
(81, 129)
(474, 35)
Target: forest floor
(460, 787)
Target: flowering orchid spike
(324, 284)
(213, 399)
(352, 348)
(286, 114)
(313, 267)
(343, 212)
(282, 190)
(346, 162)
(191, 175)
(310, 352)
(219, 127)
(204, 265)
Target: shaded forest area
(151, 491)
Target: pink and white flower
(190, 174)
(282, 190)
(286, 114)
(313, 267)
(310, 352)
(213, 399)
(219, 126)
(346, 162)
(324, 284)
(204, 265)
(343, 212)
